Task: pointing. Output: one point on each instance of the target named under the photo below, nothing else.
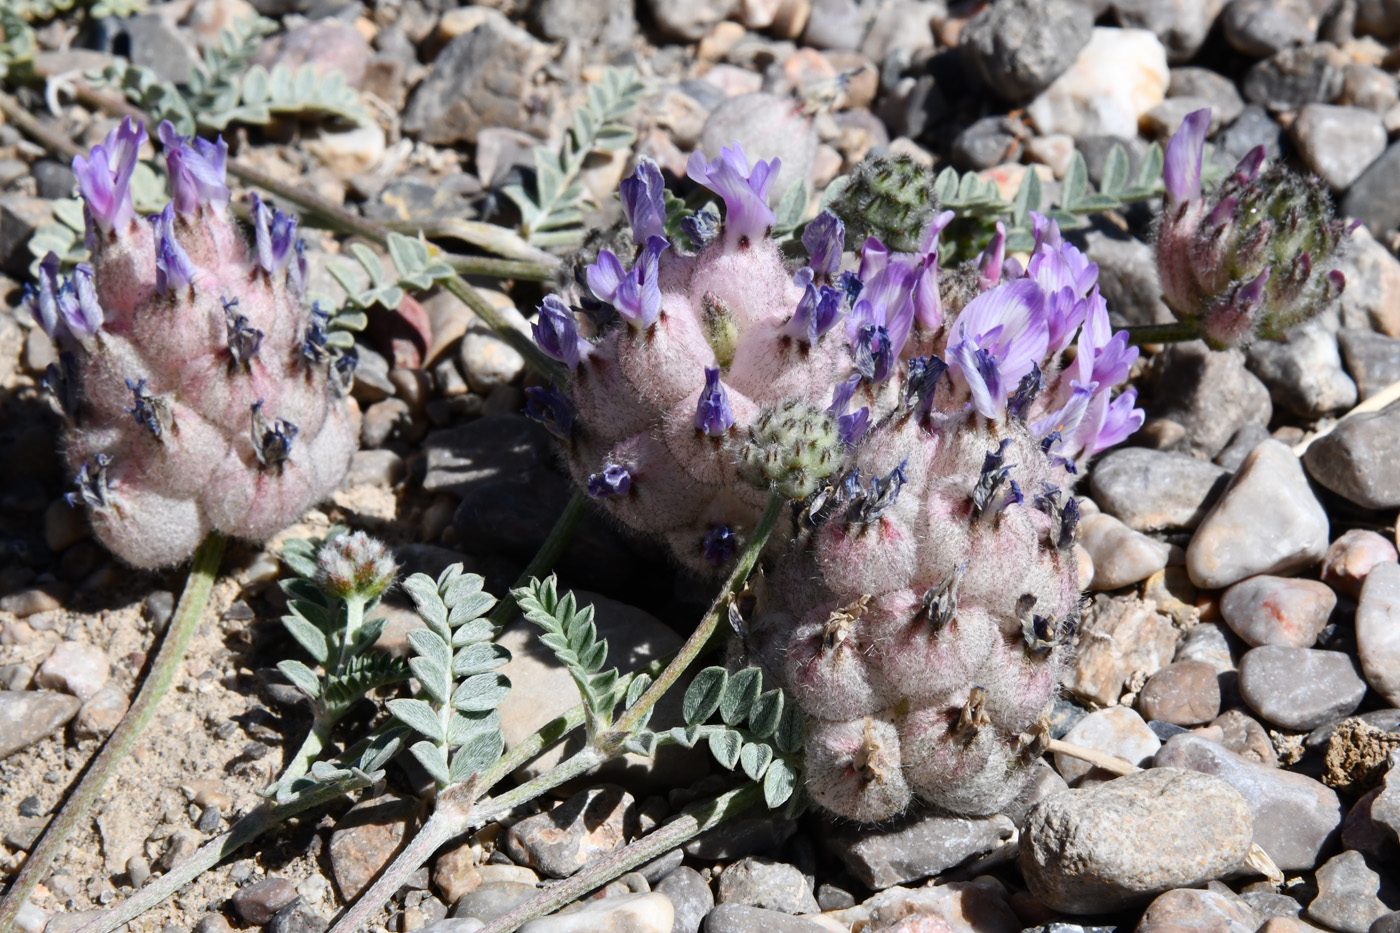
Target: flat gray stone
(26, 716)
(587, 826)
(1371, 197)
(1378, 631)
(919, 845)
(1357, 460)
(1209, 393)
(1267, 521)
(1153, 490)
(762, 882)
(1121, 555)
(1372, 359)
(1295, 817)
(1189, 910)
(1268, 610)
(1300, 688)
(1346, 895)
(1117, 844)
(737, 918)
(1338, 143)
(1304, 372)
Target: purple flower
(874, 256)
(1103, 356)
(825, 238)
(701, 228)
(82, 312)
(644, 201)
(104, 177)
(174, 270)
(981, 373)
(1009, 323)
(712, 415)
(1067, 420)
(935, 228)
(613, 481)
(1121, 418)
(274, 235)
(636, 294)
(1182, 169)
(817, 312)
(720, 544)
(925, 372)
(928, 302)
(196, 171)
(556, 332)
(43, 301)
(550, 408)
(1027, 390)
(990, 262)
(851, 427)
(877, 337)
(745, 191)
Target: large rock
(1020, 46)
(1300, 688)
(1117, 844)
(482, 78)
(1304, 373)
(1267, 521)
(1372, 296)
(1357, 460)
(918, 845)
(1295, 817)
(1371, 198)
(1190, 910)
(765, 126)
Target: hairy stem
(250, 827)
(1175, 332)
(172, 650)
(688, 824)
(695, 645)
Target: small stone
(1352, 557)
(1121, 556)
(833, 24)
(386, 420)
(1118, 637)
(29, 602)
(1377, 631)
(627, 913)
(483, 451)
(1304, 373)
(686, 20)
(75, 667)
(1188, 81)
(1152, 490)
(1245, 440)
(917, 845)
(101, 713)
(1182, 25)
(988, 142)
(1372, 296)
(297, 917)
(1295, 77)
(1372, 359)
(1300, 688)
(588, 825)
(1119, 76)
(1295, 816)
(1369, 199)
(1209, 393)
(1266, 610)
(738, 918)
(63, 526)
(1267, 521)
(488, 360)
(1338, 143)
(1195, 911)
(348, 153)
(1116, 731)
(761, 882)
(257, 903)
(494, 899)
(690, 897)
(370, 834)
(1128, 276)
(1244, 736)
(1346, 895)
(1020, 47)
(1116, 844)
(1356, 460)
(1259, 28)
(455, 873)
(1184, 693)
(155, 42)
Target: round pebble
(1351, 558)
(1267, 610)
(761, 882)
(1300, 688)
(1378, 631)
(75, 667)
(1185, 693)
(1120, 555)
(1117, 731)
(259, 902)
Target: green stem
(310, 749)
(695, 645)
(1175, 332)
(172, 650)
(689, 823)
(250, 827)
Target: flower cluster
(1256, 256)
(198, 391)
(931, 425)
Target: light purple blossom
(274, 235)
(174, 270)
(877, 336)
(996, 340)
(613, 481)
(1066, 421)
(825, 238)
(744, 190)
(1120, 419)
(43, 301)
(928, 301)
(712, 415)
(551, 408)
(85, 315)
(556, 332)
(636, 294)
(990, 262)
(851, 427)
(1182, 168)
(934, 230)
(1104, 357)
(196, 171)
(104, 176)
(874, 256)
(644, 201)
(817, 312)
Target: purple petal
(550, 408)
(1121, 420)
(638, 295)
(104, 177)
(89, 311)
(712, 414)
(1182, 169)
(174, 270)
(1009, 321)
(817, 312)
(613, 481)
(825, 238)
(43, 302)
(989, 264)
(196, 171)
(873, 257)
(604, 276)
(744, 192)
(1068, 417)
(979, 371)
(644, 201)
(556, 332)
(934, 230)
(927, 301)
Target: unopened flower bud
(354, 566)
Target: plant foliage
(569, 631)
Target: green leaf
(462, 729)
(302, 677)
(1115, 171)
(482, 692)
(1149, 175)
(476, 756)
(703, 695)
(418, 716)
(635, 689)
(642, 743)
(739, 695)
(726, 745)
(474, 631)
(755, 758)
(779, 782)
(766, 714)
(423, 591)
(308, 636)
(479, 659)
(791, 729)
(1027, 199)
(431, 646)
(1075, 183)
(433, 760)
(435, 680)
(945, 186)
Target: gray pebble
(1118, 843)
(1121, 555)
(493, 899)
(158, 607)
(1152, 490)
(1295, 816)
(1346, 895)
(737, 918)
(1266, 610)
(1372, 359)
(1259, 28)
(1209, 393)
(1295, 77)
(834, 24)
(918, 845)
(297, 917)
(1188, 910)
(1270, 904)
(1357, 460)
(30, 715)
(1184, 693)
(690, 895)
(588, 825)
(1267, 521)
(1225, 101)
(988, 142)
(1304, 373)
(761, 882)
(1253, 127)
(1300, 688)
(626, 913)
(1116, 731)
(1370, 88)
(830, 897)
(1246, 439)
(1020, 46)
(1182, 26)
(259, 902)
(1338, 143)
(688, 20)
(1377, 631)
(1372, 296)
